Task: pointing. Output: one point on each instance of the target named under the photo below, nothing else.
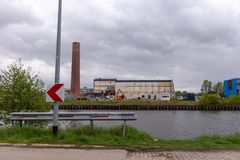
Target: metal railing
(75, 116)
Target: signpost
(57, 68)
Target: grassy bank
(204, 100)
(111, 137)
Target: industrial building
(117, 89)
(136, 89)
(231, 87)
(104, 85)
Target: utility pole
(57, 68)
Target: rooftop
(111, 79)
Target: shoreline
(110, 138)
(149, 107)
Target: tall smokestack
(75, 79)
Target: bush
(209, 99)
(20, 90)
(232, 100)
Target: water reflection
(184, 124)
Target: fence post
(124, 128)
(20, 124)
(91, 123)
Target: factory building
(231, 87)
(104, 85)
(136, 89)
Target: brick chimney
(75, 78)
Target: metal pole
(20, 124)
(124, 128)
(57, 68)
(91, 123)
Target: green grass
(111, 137)
(207, 99)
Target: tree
(218, 88)
(184, 93)
(21, 89)
(206, 86)
(178, 94)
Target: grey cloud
(187, 41)
(14, 13)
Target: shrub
(209, 99)
(232, 100)
(20, 90)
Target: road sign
(55, 93)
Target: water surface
(184, 124)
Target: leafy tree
(184, 92)
(178, 93)
(21, 89)
(218, 88)
(206, 86)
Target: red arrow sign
(52, 93)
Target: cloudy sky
(184, 40)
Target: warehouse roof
(143, 80)
(105, 79)
(111, 79)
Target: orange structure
(75, 78)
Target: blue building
(231, 87)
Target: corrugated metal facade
(138, 89)
(102, 85)
(145, 89)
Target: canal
(183, 124)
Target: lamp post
(57, 69)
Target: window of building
(143, 96)
(230, 85)
(165, 96)
(149, 96)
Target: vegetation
(218, 88)
(209, 99)
(206, 99)
(206, 86)
(111, 137)
(212, 88)
(21, 90)
(232, 100)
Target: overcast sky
(184, 40)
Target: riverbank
(149, 107)
(128, 102)
(111, 138)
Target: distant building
(85, 91)
(136, 89)
(189, 97)
(104, 85)
(231, 87)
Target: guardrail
(75, 116)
